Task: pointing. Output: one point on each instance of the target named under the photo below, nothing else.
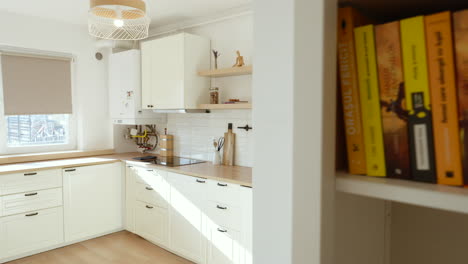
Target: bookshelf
(392, 221)
(454, 199)
(226, 72)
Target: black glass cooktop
(169, 161)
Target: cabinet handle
(222, 184)
(222, 230)
(30, 174)
(129, 166)
(33, 214)
(149, 170)
(200, 181)
(30, 194)
(221, 207)
(70, 170)
(149, 207)
(149, 188)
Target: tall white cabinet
(169, 72)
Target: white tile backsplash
(194, 134)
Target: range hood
(181, 111)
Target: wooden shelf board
(435, 196)
(225, 106)
(234, 71)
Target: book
(443, 92)
(392, 98)
(370, 100)
(348, 18)
(460, 29)
(418, 101)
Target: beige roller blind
(36, 85)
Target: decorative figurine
(216, 55)
(239, 60)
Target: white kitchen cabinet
(32, 180)
(247, 224)
(151, 222)
(186, 216)
(125, 90)
(130, 176)
(223, 246)
(30, 231)
(92, 200)
(30, 201)
(170, 68)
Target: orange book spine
(442, 85)
(460, 29)
(392, 100)
(347, 20)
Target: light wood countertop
(232, 174)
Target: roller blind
(36, 85)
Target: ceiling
(162, 12)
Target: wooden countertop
(232, 174)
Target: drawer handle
(30, 194)
(149, 188)
(221, 207)
(149, 170)
(200, 181)
(149, 207)
(33, 214)
(222, 184)
(70, 170)
(222, 230)
(30, 174)
(129, 166)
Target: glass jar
(214, 95)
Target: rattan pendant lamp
(118, 19)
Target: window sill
(18, 158)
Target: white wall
(294, 116)
(90, 86)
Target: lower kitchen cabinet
(92, 200)
(151, 222)
(186, 216)
(30, 231)
(202, 220)
(223, 246)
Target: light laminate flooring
(118, 248)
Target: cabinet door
(151, 222)
(93, 200)
(186, 217)
(247, 219)
(130, 176)
(223, 246)
(31, 231)
(146, 69)
(167, 72)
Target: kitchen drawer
(154, 194)
(30, 201)
(30, 181)
(151, 222)
(31, 231)
(224, 215)
(223, 192)
(149, 176)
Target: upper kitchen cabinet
(170, 68)
(125, 89)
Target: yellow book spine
(369, 97)
(418, 101)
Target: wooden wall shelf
(225, 106)
(234, 71)
(435, 196)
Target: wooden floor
(118, 248)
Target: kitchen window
(36, 112)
